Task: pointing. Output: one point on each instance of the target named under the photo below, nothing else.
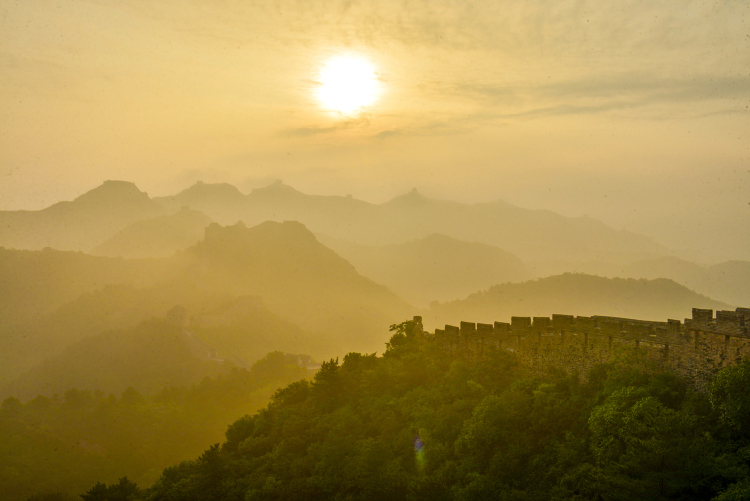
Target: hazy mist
(404, 250)
(635, 113)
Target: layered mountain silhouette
(271, 284)
(433, 268)
(161, 236)
(309, 298)
(152, 353)
(112, 307)
(34, 283)
(221, 201)
(298, 278)
(728, 281)
(148, 357)
(575, 294)
(81, 224)
(530, 234)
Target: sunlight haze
(347, 85)
(403, 250)
(632, 112)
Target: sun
(348, 84)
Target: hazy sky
(634, 112)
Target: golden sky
(634, 112)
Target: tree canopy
(420, 423)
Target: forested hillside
(319, 303)
(156, 354)
(424, 424)
(69, 441)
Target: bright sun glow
(348, 84)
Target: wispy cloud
(358, 122)
(707, 94)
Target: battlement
(734, 323)
(696, 348)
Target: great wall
(695, 349)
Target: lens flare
(419, 452)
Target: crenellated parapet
(696, 348)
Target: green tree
(647, 449)
(124, 490)
(730, 397)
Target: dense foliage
(420, 423)
(66, 443)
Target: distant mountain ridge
(161, 236)
(728, 281)
(526, 233)
(150, 356)
(80, 224)
(433, 268)
(575, 294)
(99, 214)
(297, 276)
(328, 307)
(118, 219)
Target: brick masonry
(695, 349)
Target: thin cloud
(604, 94)
(317, 130)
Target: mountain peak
(203, 190)
(287, 248)
(277, 188)
(111, 197)
(437, 238)
(113, 190)
(268, 231)
(410, 197)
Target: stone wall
(696, 348)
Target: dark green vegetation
(418, 423)
(220, 298)
(67, 443)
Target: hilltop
(322, 305)
(298, 278)
(433, 268)
(80, 224)
(575, 294)
(533, 234)
(70, 441)
(728, 281)
(426, 423)
(161, 236)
